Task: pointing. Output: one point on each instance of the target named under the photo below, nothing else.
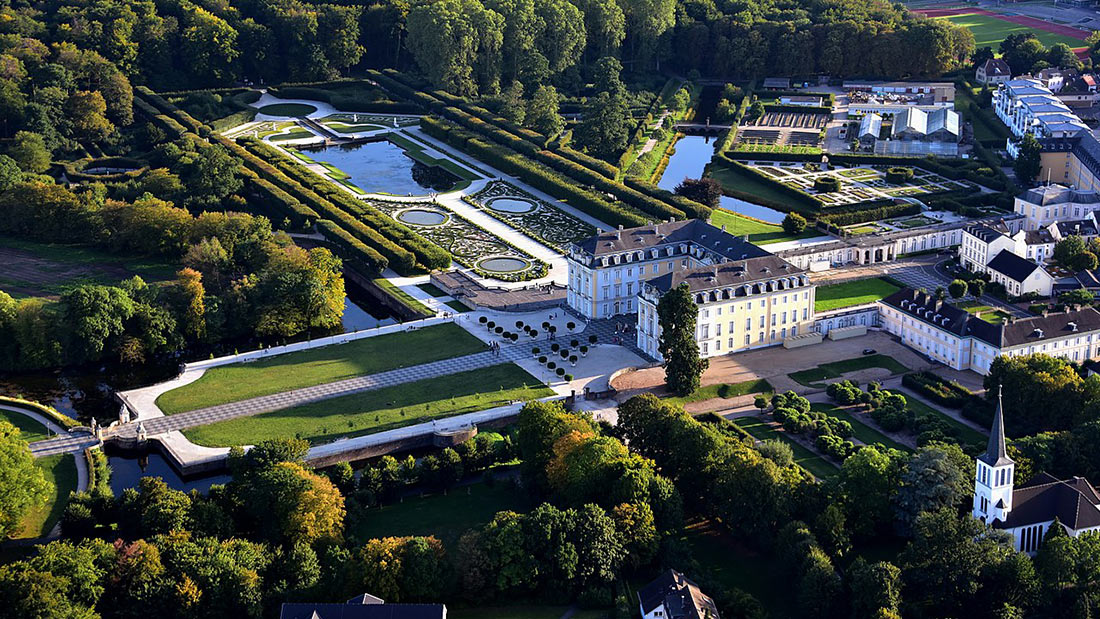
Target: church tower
(993, 479)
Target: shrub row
(171, 110)
(870, 214)
(368, 260)
(939, 390)
(267, 194)
(173, 129)
(46, 411)
(533, 173)
(687, 205)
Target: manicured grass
(60, 470)
(734, 566)
(724, 390)
(746, 182)
(860, 430)
(457, 306)
(987, 313)
(913, 222)
(445, 516)
(760, 232)
(836, 369)
(862, 230)
(231, 383)
(340, 127)
(433, 290)
(295, 134)
(989, 31)
(288, 109)
(403, 297)
(815, 464)
(382, 409)
(29, 429)
(858, 292)
(965, 433)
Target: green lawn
(989, 31)
(48, 269)
(288, 109)
(965, 433)
(381, 409)
(446, 516)
(231, 383)
(860, 430)
(862, 230)
(987, 313)
(433, 290)
(858, 292)
(815, 464)
(813, 377)
(734, 566)
(457, 306)
(724, 390)
(295, 134)
(340, 127)
(746, 182)
(759, 232)
(60, 470)
(29, 429)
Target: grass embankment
(760, 232)
(288, 109)
(381, 409)
(724, 390)
(60, 470)
(846, 294)
(403, 297)
(747, 183)
(29, 429)
(232, 383)
(815, 464)
(433, 290)
(445, 516)
(860, 430)
(826, 371)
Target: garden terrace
(536, 218)
(233, 383)
(378, 410)
(469, 244)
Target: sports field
(991, 28)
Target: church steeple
(996, 454)
(993, 481)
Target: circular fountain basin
(422, 217)
(503, 264)
(511, 205)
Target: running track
(1023, 20)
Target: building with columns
(1027, 511)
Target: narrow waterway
(693, 153)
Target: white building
(1013, 261)
(992, 72)
(963, 341)
(606, 270)
(1050, 204)
(1027, 511)
(1027, 106)
(672, 596)
(743, 304)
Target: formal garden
(838, 185)
(345, 123)
(534, 217)
(469, 244)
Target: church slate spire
(996, 454)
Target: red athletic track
(1031, 22)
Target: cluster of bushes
(938, 389)
(74, 170)
(891, 411)
(829, 433)
(898, 175)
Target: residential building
(981, 242)
(962, 341)
(673, 596)
(365, 606)
(1049, 204)
(992, 72)
(1027, 511)
(606, 270)
(1018, 275)
(742, 304)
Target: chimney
(745, 238)
(723, 227)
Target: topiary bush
(826, 184)
(898, 175)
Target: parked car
(869, 351)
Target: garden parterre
(542, 221)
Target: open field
(860, 430)
(818, 465)
(760, 232)
(856, 292)
(60, 470)
(990, 30)
(232, 383)
(381, 409)
(724, 390)
(826, 371)
(445, 516)
(34, 269)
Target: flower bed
(543, 222)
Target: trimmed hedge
(944, 392)
(898, 175)
(533, 173)
(827, 184)
(354, 250)
(870, 214)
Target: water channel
(693, 153)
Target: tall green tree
(22, 484)
(677, 315)
(543, 112)
(1028, 162)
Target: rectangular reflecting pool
(383, 167)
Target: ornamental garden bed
(534, 217)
